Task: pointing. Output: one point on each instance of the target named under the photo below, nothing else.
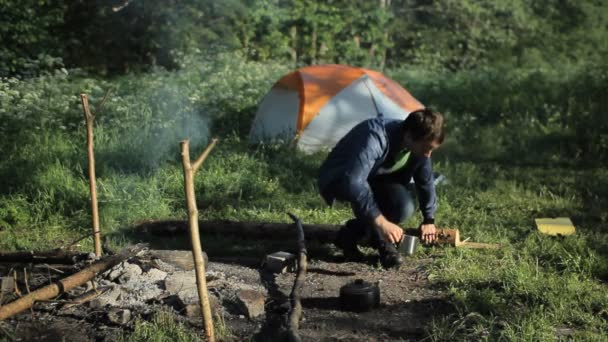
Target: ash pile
(150, 281)
(168, 278)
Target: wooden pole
(89, 117)
(195, 239)
(295, 314)
(65, 284)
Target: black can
(359, 296)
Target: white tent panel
(277, 116)
(349, 107)
(386, 106)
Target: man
(371, 167)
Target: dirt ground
(408, 306)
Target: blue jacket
(358, 156)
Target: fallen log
(321, 232)
(270, 230)
(178, 258)
(261, 230)
(65, 284)
(48, 257)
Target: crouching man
(371, 167)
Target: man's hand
(428, 233)
(391, 231)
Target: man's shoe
(347, 241)
(389, 255)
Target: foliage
(553, 112)
(163, 327)
(29, 42)
(116, 37)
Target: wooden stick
(52, 257)
(85, 297)
(16, 289)
(448, 237)
(7, 334)
(199, 161)
(76, 241)
(89, 118)
(480, 245)
(103, 102)
(65, 284)
(49, 267)
(195, 239)
(27, 285)
(295, 313)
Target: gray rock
(156, 275)
(182, 284)
(193, 311)
(280, 262)
(123, 272)
(110, 297)
(251, 302)
(119, 316)
(163, 266)
(7, 284)
(129, 271)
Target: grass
(163, 327)
(502, 176)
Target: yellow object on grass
(555, 226)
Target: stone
(7, 285)
(251, 302)
(155, 275)
(123, 272)
(180, 259)
(280, 262)
(193, 310)
(163, 266)
(110, 297)
(182, 284)
(130, 271)
(119, 316)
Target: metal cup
(407, 245)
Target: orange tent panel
(321, 83)
(394, 91)
(317, 84)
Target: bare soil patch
(144, 284)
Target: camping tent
(317, 105)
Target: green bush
(29, 36)
(540, 111)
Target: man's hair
(424, 125)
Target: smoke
(146, 127)
(174, 118)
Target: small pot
(359, 296)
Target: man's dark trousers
(395, 200)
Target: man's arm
(427, 198)
(365, 153)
